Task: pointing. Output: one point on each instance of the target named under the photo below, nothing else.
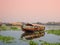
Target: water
(21, 37)
(52, 27)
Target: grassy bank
(4, 27)
(56, 32)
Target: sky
(29, 10)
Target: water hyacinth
(6, 39)
(33, 43)
(47, 43)
(56, 32)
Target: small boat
(33, 27)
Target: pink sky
(29, 10)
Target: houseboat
(33, 27)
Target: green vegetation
(14, 28)
(6, 39)
(3, 27)
(33, 43)
(56, 32)
(42, 43)
(46, 43)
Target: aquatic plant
(14, 28)
(47, 43)
(56, 32)
(42, 43)
(6, 39)
(33, 43)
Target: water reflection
(29, 36)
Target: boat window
(35, 26)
